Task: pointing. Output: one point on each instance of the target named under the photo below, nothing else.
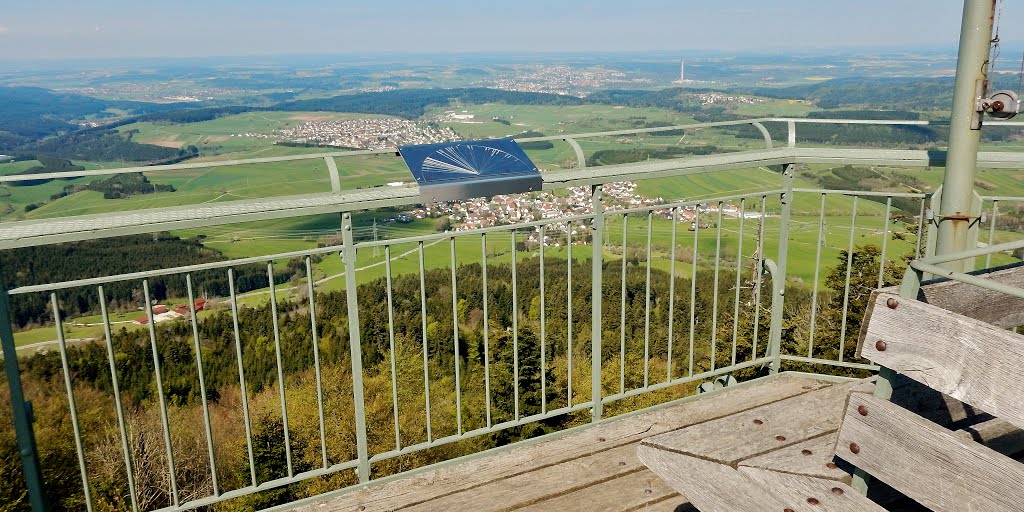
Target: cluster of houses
(502, 210)
(163, 313)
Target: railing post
(581, 158)
(774, 349)
(22, 409)
(597, 272)
(779, 280)
(355, 347)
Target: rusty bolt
(780, 438)
(787, 510)
(892, 303)
(862, 410)
(831, 465)
(812, 501)
(806, 452)
(998, 106)
(881, 345)
(838, 491)
(758, 422)
(854, 448)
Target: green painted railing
(737, 303)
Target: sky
(75, 29)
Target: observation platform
(597, 469)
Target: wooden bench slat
(740, 436)
(926, 462)
(967, 359)
(808, 493)
(810, 458)
(710, 486)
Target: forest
(80, 260)
(507, 363)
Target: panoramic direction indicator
(460, 170)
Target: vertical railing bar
(647, 305)
(59, 324)
(714, 300)
(817, 271)
(199, 368)
(885, 241)
(160, 392)
(423, 326)
(455, 341)
(316, 360)
(849, 270)
(759, 275)
(568, 313)
(515, 330)
(671, 293)
(920, 228)
(739, 273)
(596, 290)
(355, 347)
(280, 369)
(622, 310)
(241, 375)
(119, 407)
(693, 283)
(543, 333)
(487, 321)
(391, 344)
(992, 232)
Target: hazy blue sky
(143, 28)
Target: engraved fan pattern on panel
(471, 159)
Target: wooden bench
(943, 441)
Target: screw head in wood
(838, 491)
(812, 501)
(806, 452)
(881, 345)
(854, 448)
(787, 510)
(892, 303)
(862, 410)
(758, 422)
(831, 465)
(780, 438)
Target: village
(539, 206)
(362, 133)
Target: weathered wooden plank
(804, 492)
(965, 299)
(710, 486)
(978, 303)
(812, 458)
(926, 462)
(423, 487)
(972, 361)
(763, 429)
(997, 434)
(527, 488)
(634, 491)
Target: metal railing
(651, 333)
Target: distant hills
(36, 120)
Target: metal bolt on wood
(854, 448)
(892, 303)
(881, 345)
(863, 411)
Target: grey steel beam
(955, 214)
